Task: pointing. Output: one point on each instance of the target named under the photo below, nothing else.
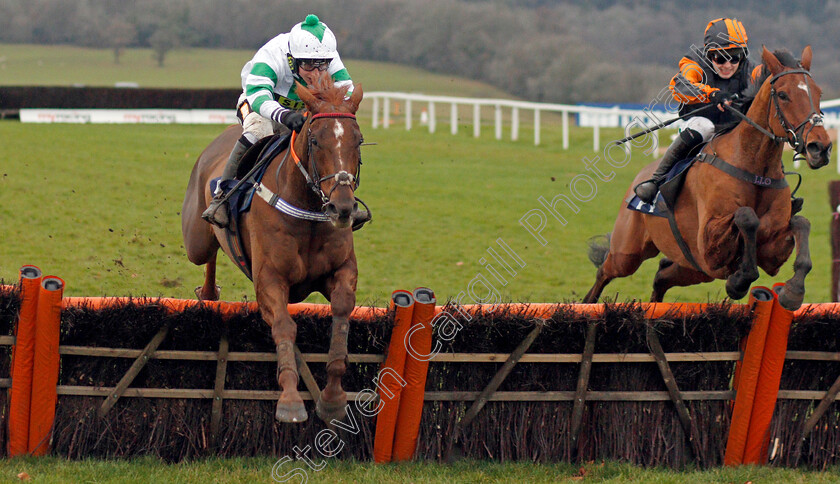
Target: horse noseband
(344, 178)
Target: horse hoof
(329, 411)
(790, 300)
(735, 294)
(293, 412)
(217, 291)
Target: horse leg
(670, 275)
(273, 301)
(738, 284)
(615, 265)
(793, 292)
(210, 291)
(629, 246)
(342, 290)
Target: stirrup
(361, 217)
(211, 214)
(645, 199)
(796, 205)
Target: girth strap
(672, 222)
(735, 172)
(283, 206)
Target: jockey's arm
(687, 86)
(339, 74)
(259, 90)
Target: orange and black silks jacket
(697, 79)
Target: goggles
(723, 56)
(309, 65)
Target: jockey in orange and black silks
(717, 74)
(721, 67)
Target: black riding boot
(217, 211)
(678, 150)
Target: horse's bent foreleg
(273, 301)
(616, 265)
(793, 292)
(738, 284)
(210, 291)
(342, 289)
(670, 275)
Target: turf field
(99, 205)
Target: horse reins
(341, 178)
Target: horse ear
(770, 61)
(806, 58)
(304, 94)
(356, 98)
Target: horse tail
(599, 247)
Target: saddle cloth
(668, 191)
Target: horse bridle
(341, 178)
(792, 136)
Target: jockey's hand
(721, 98)
(293, 120)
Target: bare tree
(162, 41)
(120, 34)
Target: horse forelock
(786, 58)
(326, 91)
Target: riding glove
(293, 120)
(720, 97)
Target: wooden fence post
(218, 391)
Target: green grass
(54, 470)
(100, 206)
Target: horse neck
(291, 184)
(752, 150)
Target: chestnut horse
(730, 225)
(293, 257)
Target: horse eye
(783, 96)
(313, 141)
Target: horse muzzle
(818, 154)
(341, 212)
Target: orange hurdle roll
(418, 344)
(45, 367)
(390, 380)
(23, 355)
(747, 372)
(769, 379)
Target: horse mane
(785, 57)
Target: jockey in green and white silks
(268, 103)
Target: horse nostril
(355, 206)
(331, 210)
(815, 148)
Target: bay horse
(293, 257)
(732, 226)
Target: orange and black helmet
(725, 33)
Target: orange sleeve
(756, 73)
(687, 86)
